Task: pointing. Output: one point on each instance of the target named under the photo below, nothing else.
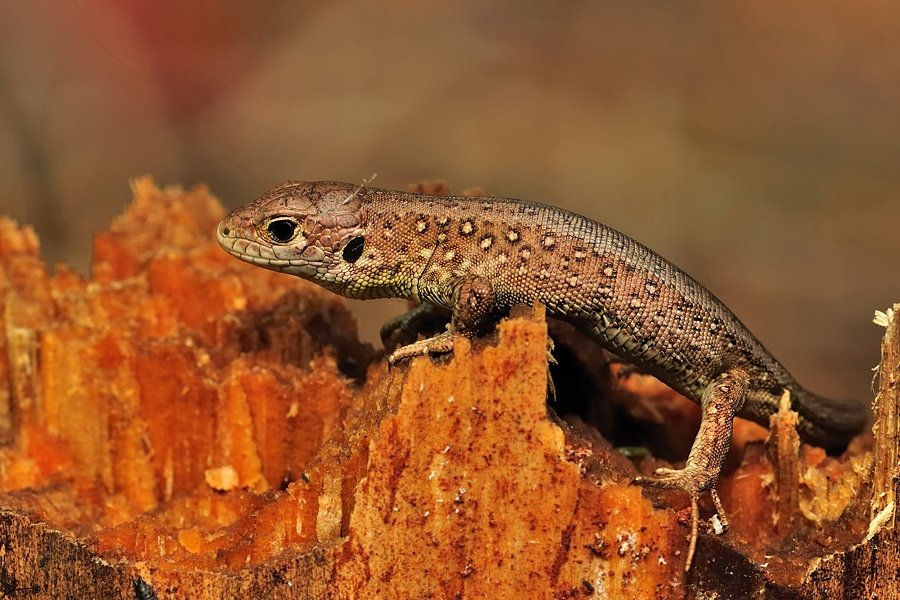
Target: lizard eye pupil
(282, 230)
(354, 249)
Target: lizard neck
(395, 255)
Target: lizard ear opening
(354, 249)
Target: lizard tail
(828, 423)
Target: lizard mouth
(246, 249)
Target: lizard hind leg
(721, 400)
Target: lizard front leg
(472, 307)
(403, 329)
(721, 400)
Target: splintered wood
(886, 473)
(784, 452)
(871, 569)
(186, 425)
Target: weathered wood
(211, 430)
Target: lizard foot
(692, 479)
(694, 483)
(439, 344)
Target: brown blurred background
(754, 144)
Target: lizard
(474, 258)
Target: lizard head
(311, 230)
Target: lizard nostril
(226, 231)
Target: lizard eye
(354, 249)
(282, 230)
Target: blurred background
(754, 144)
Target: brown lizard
(476, 257)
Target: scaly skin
(478, 257)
